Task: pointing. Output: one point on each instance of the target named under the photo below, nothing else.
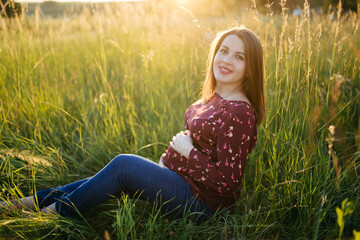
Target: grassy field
(76, 91)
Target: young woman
(202, 169)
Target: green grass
(77, 91)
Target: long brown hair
(253, 82)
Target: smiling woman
(201, 171)
(237, 48)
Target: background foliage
(117, 78)
(225, 6)
(10, 8)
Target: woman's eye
(222, 50)
(239, 57)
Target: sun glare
(183, 1)
(39, 1)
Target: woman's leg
(49, 196)
(44, 197)
(132, 174)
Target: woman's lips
(224, 70)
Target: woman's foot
(11, 204)
(27, 202)
(49, 209)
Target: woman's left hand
(182, 143)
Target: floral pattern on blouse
(223, 133)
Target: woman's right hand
(182, 143)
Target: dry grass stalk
(25, 156)
(330, 140)
(336, 91)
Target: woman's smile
(224, 70)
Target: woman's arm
(235, 140)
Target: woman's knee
(123, 161)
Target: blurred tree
(314, 4)
(9, 8)
(292, 4)
(216, 7)
(346, 4)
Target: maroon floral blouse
(223, 133)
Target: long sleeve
(234, 141)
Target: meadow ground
(75, 91)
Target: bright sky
(31, 1)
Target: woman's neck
(229, 92)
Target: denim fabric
(129, 174)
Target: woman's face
(229, 62)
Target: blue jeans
(129, 174)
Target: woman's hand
(182, 143)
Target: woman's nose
(227, 59)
